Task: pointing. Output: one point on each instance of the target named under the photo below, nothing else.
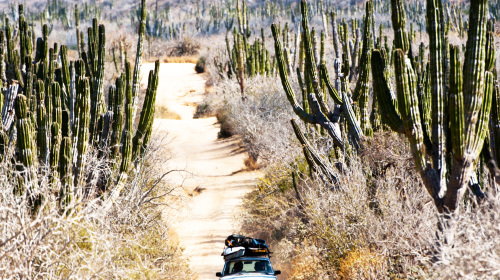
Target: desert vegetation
(375, 126)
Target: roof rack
(241, 246)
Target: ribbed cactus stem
(335, 34)
(401, 40)
(25, 153)
(408, 105)
(82, 127)
(55, 130)
(65, 165)
(477, 94)
(25, 156)
(138, 57)
(312, 156)
(362, 90)
(118, 113)
(8, 106)
(386, 97)
(127, 141)
(147, 113)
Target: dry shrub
(362, 264)
(307, 264)
(262, 118)
(341, 221)
(377, 223)
(186, 46)
(127, 240)
(225, 121)
(200, 66)
(162, 112)
(251, 163)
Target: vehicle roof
(249, 259)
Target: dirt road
(213, 166)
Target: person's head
(260, 266)
(238, 267)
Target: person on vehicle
(260, 266)
(238, 267)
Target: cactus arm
(335, 35)
(147, 113)
(464, 167)
(399, 25)
(354, 126)
(138, 57)
(312, 155)
(305, 103)
(408, 101)
(490, 52)
(388, 103)
(8, 106)
(83, 129)
(66, 78)
(331, 90)
(362, 90)
(439, 129)
(299, 111)
(495, 126)
(117, 116)
(24, 142)
(456, 103)
(474, 73)
(310, 63)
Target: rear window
(248, 266)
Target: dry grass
(181, 59)
(164, 113)
(377, 226)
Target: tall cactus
(138, 58)
(469, 102)
(82, 128)
(24, 147)
(147, 113)
(65, 164)
(362, 90)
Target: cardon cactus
(466, 107)
(59, 109)
(82, 128)
(147, 113)
(24, 147)
(65, 164)
(314, 109)
(362, 90)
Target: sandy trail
(215, 166)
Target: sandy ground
(213, 166)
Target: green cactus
(82, 129)
(469, 103)
(147, 113)
(65, 164)
(25, 156)
(138, 58)
(118, 112)
(362, 90)
(314, 160)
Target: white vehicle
(246, 268)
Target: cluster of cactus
(314, 109)
(444, 108)
(61, 113)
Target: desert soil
(215, 180)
